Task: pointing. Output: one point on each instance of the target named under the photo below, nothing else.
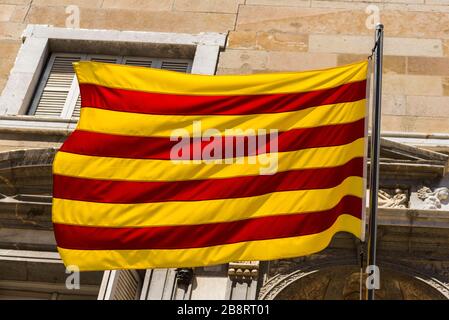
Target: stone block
(223, 6)
(19, 13)
(3, 79)
(414, 47)
(11, 30)
(415, 124)
(223, 71)
(446, 48)
(243, 61)
(153, 5)
(405, 1)
(413, 7)
(299, 61)
(347, 58)
(269, 41)
(428, 107)
(6, 11)
(11, 270)
(137, 20)
(364, 44)
(300, 20)
(290, 3)
(278, 41)
(65, 3)
(56, 16)
(391, 64)
(446, 86)
(338, 4)
(428, 66)
(251, 61)
(242, 40)
(439, 2)
(341, 21)
(340, 44)
(412, 85)
(416, 24)
(9, 49)
(6, 66)
(15, 1)
(393, 104)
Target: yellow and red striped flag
(122, 201)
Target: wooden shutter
(55, 86)
(97, 58)
(177, 65)
(120, 285)
(104, 58)
(141, 62)
(77, 110)
(58, 94)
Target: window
(42, 93)
(57, 94)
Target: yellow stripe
(161, 81)
(90, 260)
(136, 124)
(205, 211)
(165, 170)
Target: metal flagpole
(375, 151)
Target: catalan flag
(153, 176)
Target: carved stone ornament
(398, 200)
(436, 199)
(243, 270)
(184, 276)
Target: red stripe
(109, 191)
(204, 235)
(170, 104)
(118, 146)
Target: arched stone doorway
(343, 283)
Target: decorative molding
(438, 199)
(30, 256)
(398, 199)
(243, 270)
(184, 276)
(276, 284)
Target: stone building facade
(39, 107)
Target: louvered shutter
(77, 110)
(176, 65)
(55, 86)
(105, 59)
(58, 93)
(140, 62)
(120, 285)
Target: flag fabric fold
(177, 170)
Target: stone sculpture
(433, 199)
(399, 200)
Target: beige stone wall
(283, 35)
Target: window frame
(70, 104)
(40, 41)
